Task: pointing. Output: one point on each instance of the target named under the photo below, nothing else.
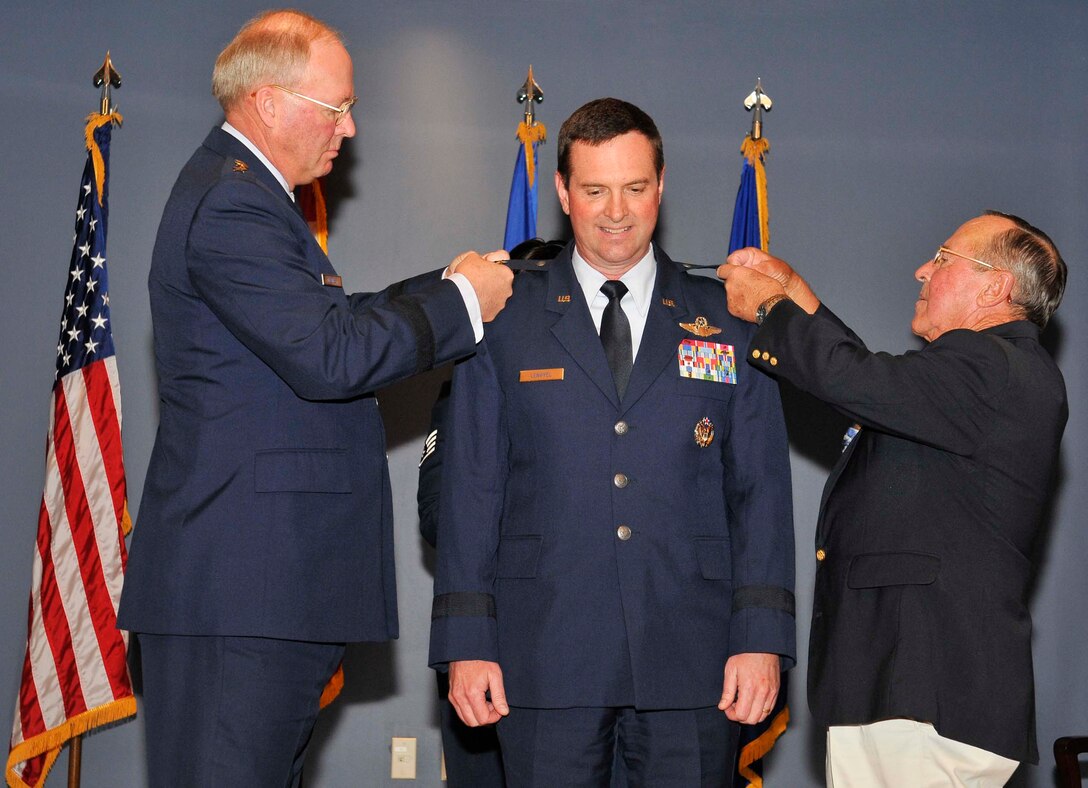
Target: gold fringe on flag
(756, 151)
(528, 135)
(126, 520)
(754, 750)
(49, 743)
(94, 121)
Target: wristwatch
(766, 307)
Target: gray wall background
(893, 123)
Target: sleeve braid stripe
(771, 597)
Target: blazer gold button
(620, 480)
(766, 355)
(821, 554)
(624, 533)
(621, 428)
(774, 361)
(755, 353)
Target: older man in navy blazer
(920, 655)
(615, 562)
(264, 540)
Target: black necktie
(616, 335)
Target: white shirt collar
(639, 279)
(263, 159)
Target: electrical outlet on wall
(404, 758)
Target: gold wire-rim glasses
(944, 249)
(341, 111)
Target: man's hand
(750, 688)
(493, 283)
(470, 680)
(772, 267)
(746, 289)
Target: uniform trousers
(230, 711)
(904, 753)
(610, 747)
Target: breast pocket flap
(873, 570)
(713, 556)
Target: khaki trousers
(907, 754)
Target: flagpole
(751, 227)
(105, 78)
(75, 760)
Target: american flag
(75, 677)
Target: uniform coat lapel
(574, 327)
(663, 334)
(832, 479)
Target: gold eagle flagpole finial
(529, 93)
(107, 78)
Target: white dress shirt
(635, 304)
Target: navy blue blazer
(266, 508)
(547, 471)
(927, 524)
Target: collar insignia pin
(240, 166)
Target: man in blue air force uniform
(264, 538)
(615, 562)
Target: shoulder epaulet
(528, 265)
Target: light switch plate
(404, 758)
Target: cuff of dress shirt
(472, 303)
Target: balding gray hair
(270, 49)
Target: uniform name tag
(331, 280)
(704, 360)
(534, 375)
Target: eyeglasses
(341, 111)
(942, 250)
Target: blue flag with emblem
(521, 211)
(751, 228)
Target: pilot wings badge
(701, 327)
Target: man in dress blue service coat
(615, 562)
(264, 540)
(920, 655)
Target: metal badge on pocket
(704, 432)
